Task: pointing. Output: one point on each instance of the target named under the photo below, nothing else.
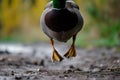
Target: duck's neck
(59, 4)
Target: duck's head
(58, 4)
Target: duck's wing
(72, 4)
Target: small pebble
(12, 72)
(96, 70)
(18, 77)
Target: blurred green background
(20, 22)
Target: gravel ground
(33, 62)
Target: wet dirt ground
(33, 62)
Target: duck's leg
(55, 56)
(71, 52)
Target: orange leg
(71, 52)
(55, 56)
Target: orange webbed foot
(55, 56)
(72, 51)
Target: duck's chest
(61, 20)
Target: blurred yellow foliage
(16, 14)
(10, 15)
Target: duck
(61, 20)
